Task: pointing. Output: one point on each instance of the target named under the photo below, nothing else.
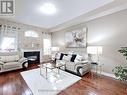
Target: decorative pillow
(61, 56)
(73, 57)
(67, 58)
(57, 55)
(78, 58)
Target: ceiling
(27, 11)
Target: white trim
(108, 74)
(30, 50)
(105, 74)
(82, 19)
(107, 12)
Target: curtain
(46, 43)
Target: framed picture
(76, 38)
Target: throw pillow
(73, 57)
(61, 56)
(57, 55)
(78, 58)
(67, 58)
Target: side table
(97, 67)
(1, 67)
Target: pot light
(48, 8)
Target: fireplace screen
(33, 57)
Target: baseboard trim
(108, 74)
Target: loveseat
(75, 63)
(12, 61)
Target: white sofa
(12, 61)
(79, 67)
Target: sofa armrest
(82, 68)
(1, 62)
(81, 62)
(22, 60)
(83, 65)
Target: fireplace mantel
(31, 50)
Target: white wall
(108, 31)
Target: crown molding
(116, 6)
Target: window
(8, 44)
(47, 46)
(8, 38)
(31, 33)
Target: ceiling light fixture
(48, 8)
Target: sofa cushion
(70, 66)
(10, 65)
(12, 58)
(3, 58)
(60, 62)
(9, 58)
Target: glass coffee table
(50, 66)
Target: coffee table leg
(46, 73)
(59, 70)
(40, 71)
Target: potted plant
(121, 71)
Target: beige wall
(108, 31)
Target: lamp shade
(94, 50)
(55, 49)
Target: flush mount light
(48, 8)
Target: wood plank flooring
(12, 83)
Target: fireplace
(32, 56)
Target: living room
(49, 49)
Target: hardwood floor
(12, 83)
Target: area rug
(54, 83)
